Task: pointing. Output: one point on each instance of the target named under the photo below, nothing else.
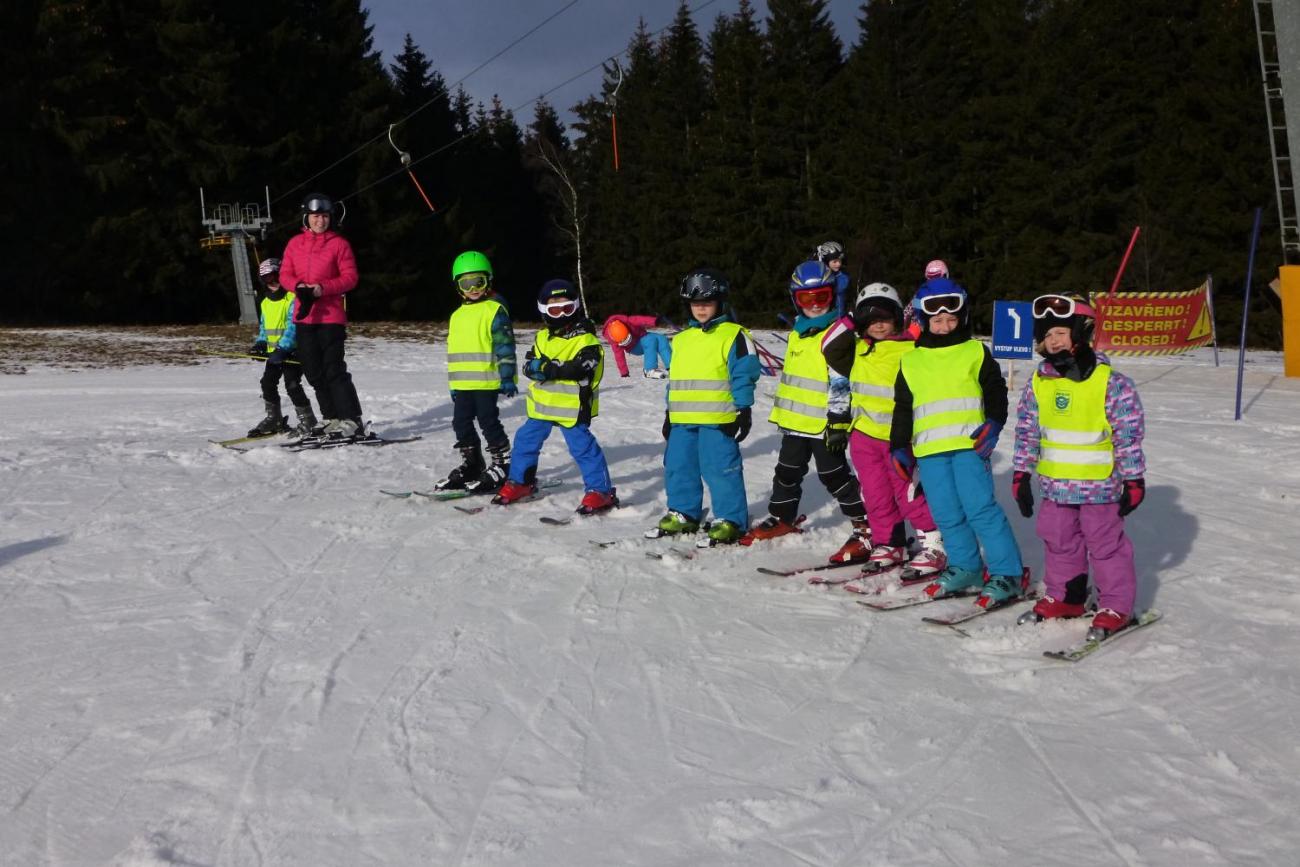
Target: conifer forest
(1020, 140)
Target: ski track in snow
(222, 658)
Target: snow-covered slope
(215, 658)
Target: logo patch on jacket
(1063, 401)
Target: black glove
(258, 348)
(1135, 491)
(306, 298)
(668, 426)
(1023, 490)
(739, 429)
(278, 356)
(836, 436)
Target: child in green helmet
(480, 366)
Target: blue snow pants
(582, 445)
(959, 488)
(654, 347)
(701, 454)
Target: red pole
(613, 123)
(423, 195)
(1124, 262)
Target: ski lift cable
(548, 19)
(598, 65)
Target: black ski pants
(292, 374)
(481, 405)
(832, 468)
(320, 349)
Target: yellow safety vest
(471, 363)
(801, 395)
(947, 402)
(699, 382)
(560, 400)
(1076, 437)
(872, 379)
(275, 317)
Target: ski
(552, 521)
(314, 443)
(1090, 646)
(474, 510)
(896, 602)
(820, 567)
(977, 610)
(455, 493)
(869, 585)
(241, 440)
(673, 554)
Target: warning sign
(1153, 323)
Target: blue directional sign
(1013, 329)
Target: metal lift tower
(1277, 27)
(231, 226)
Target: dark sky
(458, 35)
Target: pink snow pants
(1090, 534)
(884, 493)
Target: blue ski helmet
(940, 295)
(807, 278)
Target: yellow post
(1290, 275)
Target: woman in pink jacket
(319, 266)
(632, 335)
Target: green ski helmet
(470, 261)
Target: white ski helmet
(877, 301)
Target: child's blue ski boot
(954, 580)
(1001, 589)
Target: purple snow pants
(1090, 534)
(884, 493)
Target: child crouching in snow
(1080, 423)
(631, 335)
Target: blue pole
(1245, 311)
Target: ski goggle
(558, 308)
(1059, 306)
(819, 296)
(933, 304)
(318, 206)
(476, 282)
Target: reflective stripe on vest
(1076, 437)
(801, 395)
(275, 318)
(699, 382)
(560, 400)
(872, 380)
(471, 363)
(947, 402)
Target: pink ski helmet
(936, 268)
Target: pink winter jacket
(637, 326)
(325, 259)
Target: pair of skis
(446, 494)
(243, 444)
(325, 442)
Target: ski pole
(217, 354)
